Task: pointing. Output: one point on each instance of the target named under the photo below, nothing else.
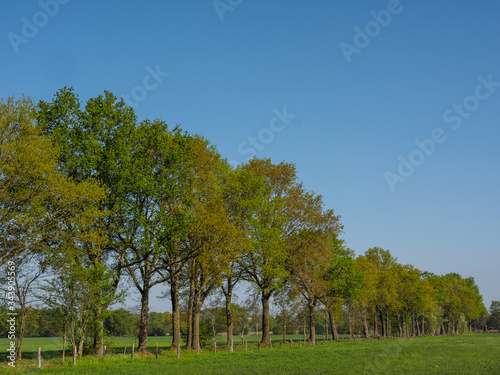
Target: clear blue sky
(362, 88)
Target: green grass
(464, 354)
(52, 346)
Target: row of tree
(92, 197)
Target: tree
(94, 148)
(342, 282)
(26, 273)
(265, 262)
(71, 295)
(386, 298)
(494, 318)
(367, 298)
(155, 326)
(414, 296)
(242, 192)
(308, 275)
(240, 317)
(213, 236)
(286, 302)
(283, 225)
(120, 322)
(158, 202)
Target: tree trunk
(312, 325)
(99, 332)
(19, 353)
(198, 300)
(229, 318)
(64, 343)
(326, 329)
(284, 332)
(176, 314)
(350, 319)
(196, 320)
(80, 346)
(333, 325)
(189, 343)
(266, 295)
(418, 325)
(365, 327)
(143, 325)
(400, 328)
(388, 324)
(382, 323)
(305, 324)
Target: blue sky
(414, 70)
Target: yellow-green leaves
(37, 202)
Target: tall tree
(284, 226)
(342, 282)
(265, 263)
(308, 275)
(242, 193)
(157, 166)
(386, 298)
(94, 145)
(367, 299)
(215, 235)
(494, 318)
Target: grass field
(464, 354)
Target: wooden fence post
(270, 343)
(124, 350)
(258, 345)
(246, 345)
(104, 352)
(74, 355)
(179, 351)
(156, 352)
(198, 348)
(132, 351)
(300, 343)
(39, 357)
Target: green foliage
(120, 323)
(494, 318)
(38, 203)
(156, 326)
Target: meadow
(462, 354)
